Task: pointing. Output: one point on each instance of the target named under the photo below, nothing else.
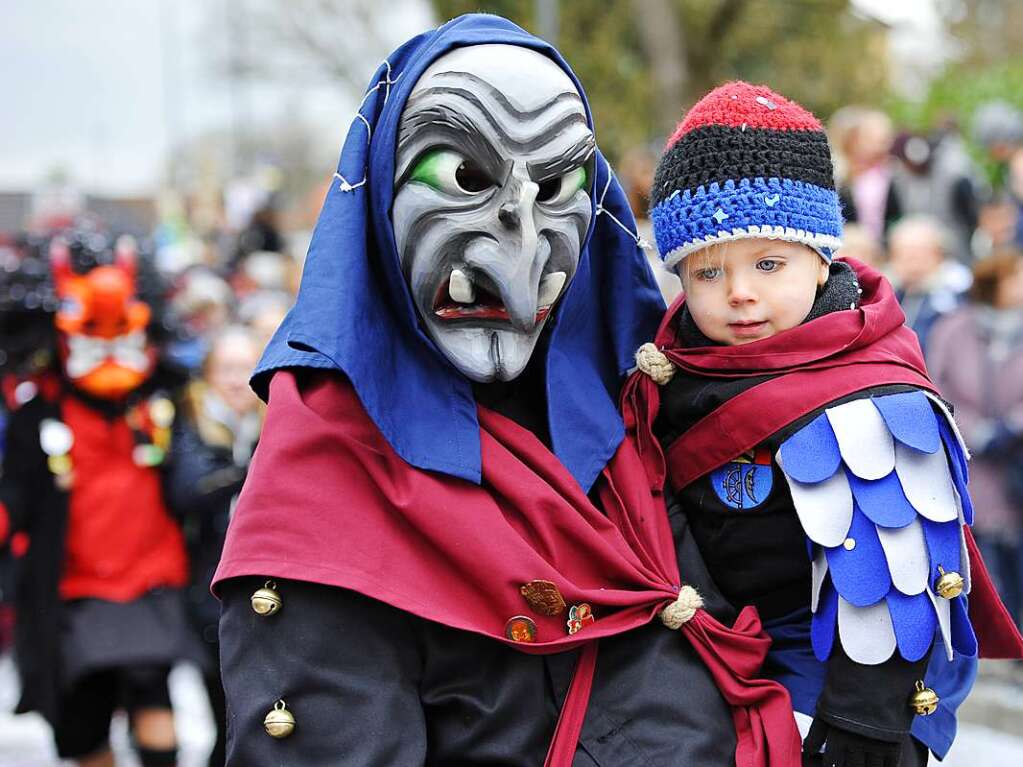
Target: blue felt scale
(847, 566)
(858, 571)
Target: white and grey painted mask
(492, 202)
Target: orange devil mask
(102, 326)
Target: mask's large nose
(520, 257)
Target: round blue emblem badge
(745, 482)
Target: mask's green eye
(561, 189)
(450, 172)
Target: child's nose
(740, 290)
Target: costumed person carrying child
(100, 614)
(820, 472)
(444, 552)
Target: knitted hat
(745, 162)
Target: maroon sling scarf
(328, 501)
(813, 364)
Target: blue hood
(354, 312)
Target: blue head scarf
(354, 312)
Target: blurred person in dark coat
(975, 355)
(214, 441)
(927, 282)
(934, 176)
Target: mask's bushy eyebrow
(447, 127)
(575, 156)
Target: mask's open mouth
(465, 297)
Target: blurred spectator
(975, 356)
(1016, 190)
(262, 233)
(262, 270)
(263, 312)
(934, 177)
(997, 226)
(867, 198)
(858, 244)
(928, 283)
(201, 306)
(998, 128)
(213, 445)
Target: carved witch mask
(492, 202)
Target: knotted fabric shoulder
(325, 481)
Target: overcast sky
(98, 88)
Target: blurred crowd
(942, 222)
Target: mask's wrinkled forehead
(496, 102)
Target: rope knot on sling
(679, 612)
(654, 363)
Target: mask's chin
(485, 355)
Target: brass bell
(266, 601)
(924, 701)
(279, 722)
(949, 585)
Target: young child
(821, 475)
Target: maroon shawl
(329, 501)
(812, 365)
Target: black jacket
(371, 685)
(38, 508)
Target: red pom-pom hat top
(738, 103)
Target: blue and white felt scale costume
(879, 485)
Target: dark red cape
(329, 501)
(813, 365)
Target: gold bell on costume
(949, 585)
(280, 722)
(924, 701)
(266, 601)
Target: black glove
(847, 749)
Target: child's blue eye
(768, 265)
(710, 273)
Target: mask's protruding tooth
(550, 288)
(460, 287)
